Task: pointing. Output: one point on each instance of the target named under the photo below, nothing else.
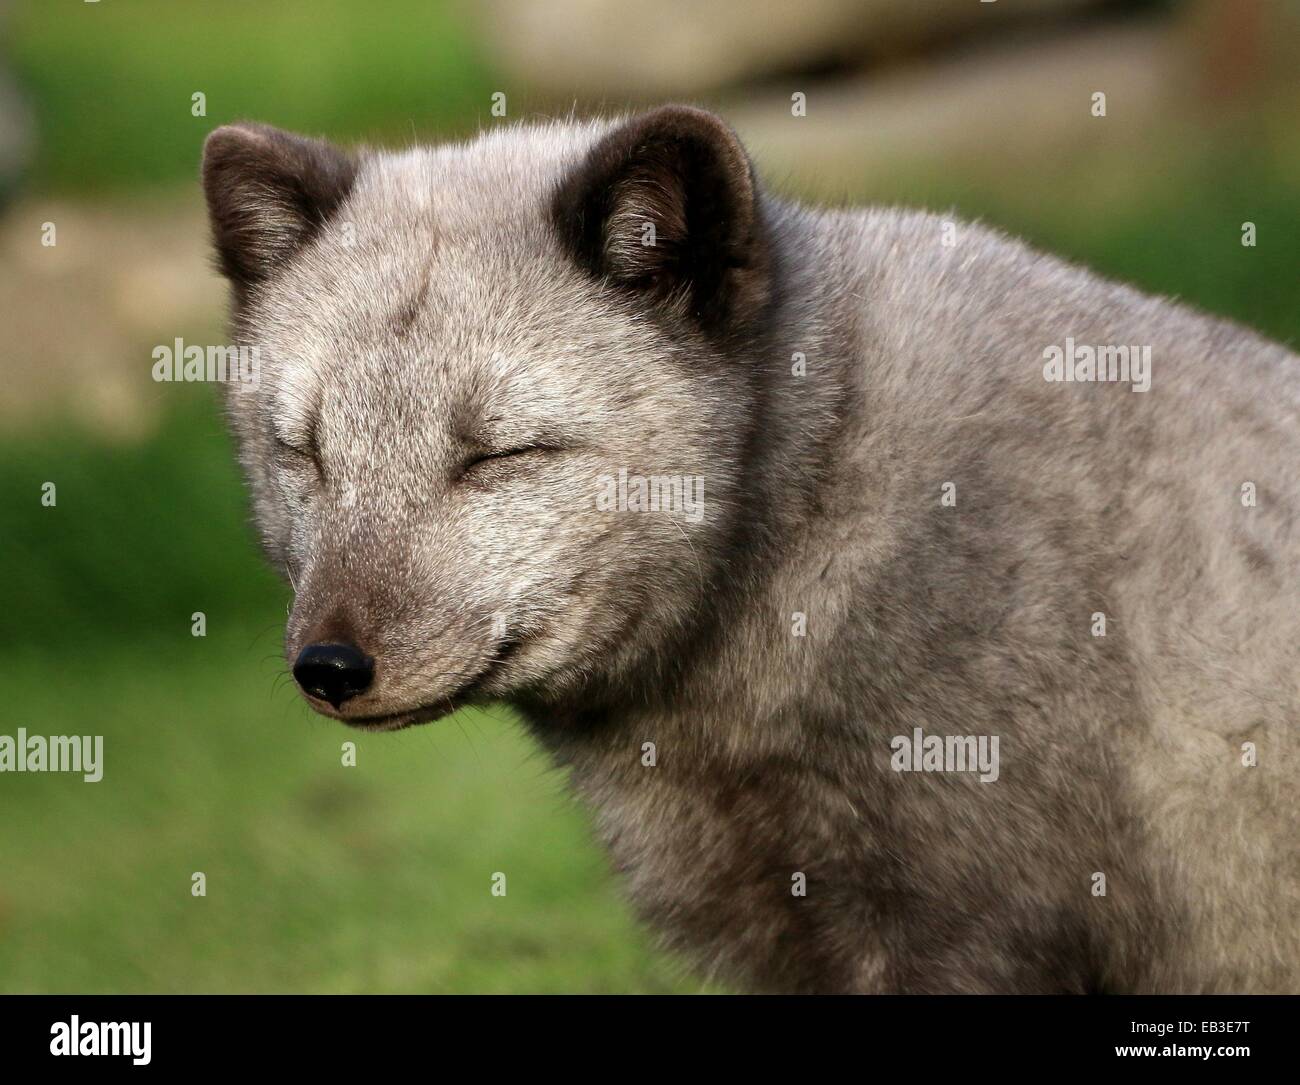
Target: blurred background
(323, 877)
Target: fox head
(497, 443)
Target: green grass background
(322, 877)
(112, 81)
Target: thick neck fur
(731, 753)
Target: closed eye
(295, 454)
(503, 454)
(285, 446)
(296, 451)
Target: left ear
(268, 193)
(666, 207)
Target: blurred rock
(80, 318)
(1010, 106)
(633, 49)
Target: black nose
(333, 672)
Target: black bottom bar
(607, 1035)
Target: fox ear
(268, 192)
(665, 206)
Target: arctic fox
(967, 674)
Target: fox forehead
(488, 175)
(448, 199)
(459, 232)
(440, 284)
(438, 297)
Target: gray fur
(457, 321)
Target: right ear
(665, 208)
(268, 193)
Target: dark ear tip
(691, 121)
(231, 139)
(229, 135)
(688, 117)
(226, 144)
